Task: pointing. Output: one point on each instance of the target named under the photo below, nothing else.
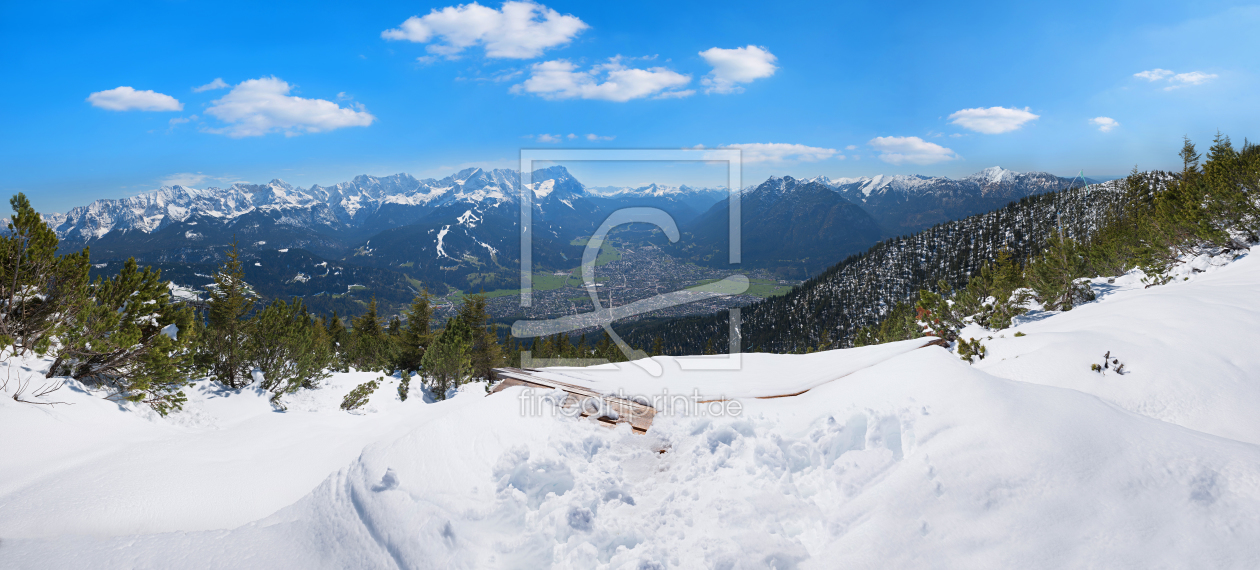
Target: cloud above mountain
(218, 83)
(611, 81)
(1104, 124)
(732, 67)
(992, 120)
(783, 152)
(520, 30)
(260, 106)
(128, 99)
(1153, 74)
(911, 150)
(1175, 80)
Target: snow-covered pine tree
(289, 347)
(131, 337)
(40, 291)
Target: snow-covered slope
(892, 459)
(1188, 347)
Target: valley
(387, 238)
(624, 273)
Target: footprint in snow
(388, 481)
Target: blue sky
(320, 92)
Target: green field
(607, 251)
(548, 281)
(540, 282)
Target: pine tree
(289, 348)
(416, 336)
(1053, 276)
(228, 329)
(447, 361)
(1230, 178)
(404, 385)
(485, 354)
(339, 341)
(40, 291)
(368, 342)
(131, 337)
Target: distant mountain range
(463, 230)
(861, 290)
(800, 227)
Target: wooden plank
(630, 412)
(639, 416)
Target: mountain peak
(994, 175)
(557, 173)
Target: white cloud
(595, 137)
(780, 152)
(545, 138)
(851, 147)
(260, 106)
(1153, 74)
(1105, 124)
(520, 30)
(734, 66)
(179, 121)
(914, 150)
(612, 81)
(197, 178)
(218, 83)
(1175, 80)
(184, 179)
(993, 120)
(128, 99)
(1192, 78)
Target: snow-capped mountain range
(344, 206)
(396, 233)
(649, 190)
(988, 181)
(369, 204)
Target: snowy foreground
(895, 457)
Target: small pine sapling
(970, 349)
(404, 385)
(359, 395)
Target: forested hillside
(861, 290)
(1148, 219)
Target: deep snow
(906, 458)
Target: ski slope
(893, 458)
